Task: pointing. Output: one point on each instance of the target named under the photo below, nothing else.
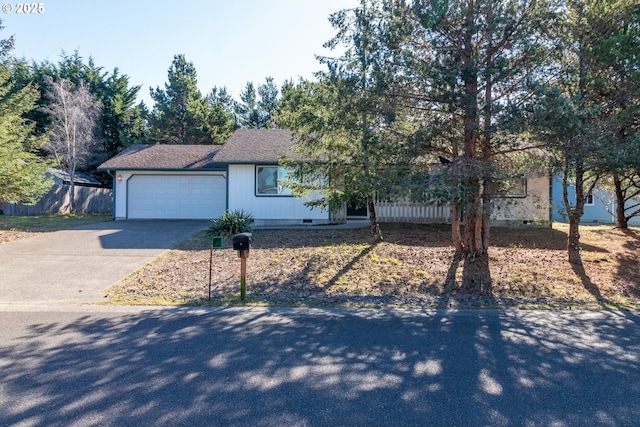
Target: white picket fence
(412, 212)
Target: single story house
(201, 182)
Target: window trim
(523, 195)
(255, 182)
(586, 200)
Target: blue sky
(230, 42)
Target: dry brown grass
(414, 267)
(22, 227)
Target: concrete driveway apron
(75, 266)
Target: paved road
(305, 367)
(75, 266)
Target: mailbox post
(241, 243)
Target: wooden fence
(88, 200)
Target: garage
(179, 196)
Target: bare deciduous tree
(74, 114)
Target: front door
(357, 209)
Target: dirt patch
(9, 234)
(414, 267)
(14, 228)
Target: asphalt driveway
(75, 266)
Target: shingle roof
(79, 178)
(158, 157)
(257, 146)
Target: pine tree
(257, 108)
(180, 112)
(22, 171)
(120, 118)
(346, 121)
(576, 116)
(221, 118)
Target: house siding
(600, 212)
(267, 209)
(534, 208)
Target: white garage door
(176, 196)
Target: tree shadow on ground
(592, 288)
(270, 367)
(627, 265)
(417, 235)
(475, 278)
(344, 270)
(439, 235)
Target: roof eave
(216, 169)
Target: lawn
(415, 266)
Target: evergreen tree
(576, 116)
(180, 112)
(257, 108)
(221, 118)
(470, 62)
(247, 109)
(121, 121)
(268, 103)
(22, 171)
(347, 121)
(616, 87)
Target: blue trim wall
(596, 213)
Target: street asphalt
(125, 366)
(75, 266)
(66, 361)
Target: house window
(270, 181)
(512, 188)
(588, 200)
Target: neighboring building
(61, 177)
(201, 182)
(599, 207)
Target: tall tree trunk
(456, 212)
(456, 232)
(621, 218)
(486, 215)
(373, 219)
(72, 197)
(573, 240)
(487, 152)
(576, 211)
(470, 179)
